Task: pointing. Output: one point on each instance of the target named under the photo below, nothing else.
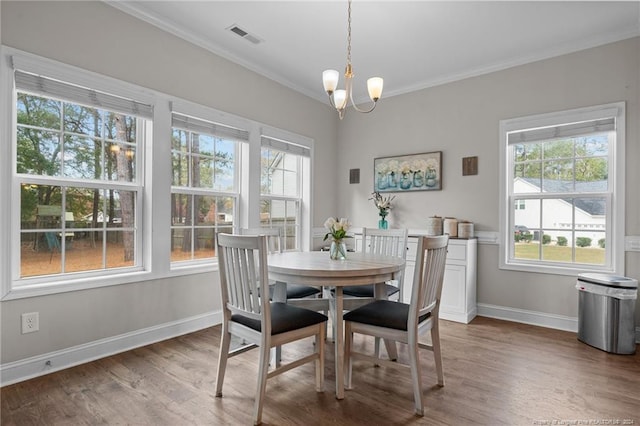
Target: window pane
(225, 207)
(558, 149)
(180, 209)
(46, 260)
(206, 210)
(181, 244)
(280, 173)
(180, 169)
(179, 140)
(588, 249)
(204, 243)
(526, 216)
(38, 152)
(558, 176)
(589, 146)
(37, 111)
(120, 249)
(526, 152)
(592, 175)
(82, 157)
(225, 159)
(83, 120)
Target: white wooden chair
(403, 322)
(243, 266)
(388, 242)
(274, 244)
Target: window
(205, 189)
(562, 188)
(281, 187)
(79, 168)
(109, 183)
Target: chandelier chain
(349, 34)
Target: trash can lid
(608, 280)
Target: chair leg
(377, 350)
(320, 337)
(348, 342)
(262, 383)
(437, 354)
(225, 341)
(414, 363)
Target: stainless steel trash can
(606, 312)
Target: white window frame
(13, 286)
(615, 203)
(302, 147)
(297, 199)
(213, 116)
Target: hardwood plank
(496, 372)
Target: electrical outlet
(30, 322)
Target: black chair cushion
(383, 313)
(367, 290)
(297, 291)
(284, 318)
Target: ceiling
(411, 44)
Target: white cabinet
(458, 301)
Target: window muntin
(561, 183)
(205, 189)
(78, 163)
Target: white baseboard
(541, 319)
(40, 365)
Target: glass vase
(338, 250)
(382, 223)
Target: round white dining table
(315, 268)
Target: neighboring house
(589, 215)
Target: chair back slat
(274, 238)
(428, 276)
(387, 242)
(243, 266)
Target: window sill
(572, 270)
(41, 288)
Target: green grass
(589, 255)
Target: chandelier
(340, 98)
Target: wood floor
(496, 372)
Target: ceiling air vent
(244, 34)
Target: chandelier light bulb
(374, 85)
(340, 99)
(330, 80)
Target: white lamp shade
(340, 98)
(374, 85)
(330, 80)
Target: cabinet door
(452, 302)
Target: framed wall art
(405, 173)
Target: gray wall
(99, 38)
(461, 120)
